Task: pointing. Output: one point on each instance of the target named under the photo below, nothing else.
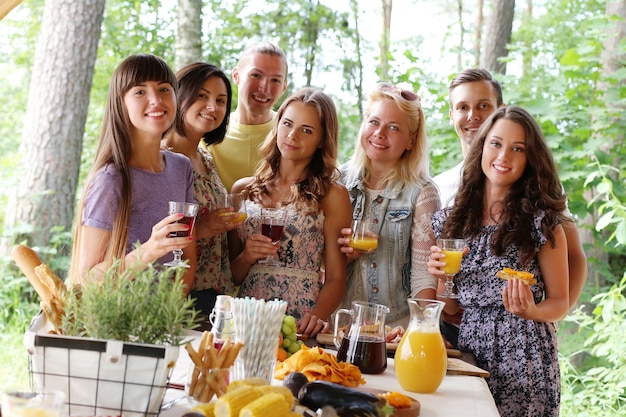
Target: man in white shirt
(474, 94)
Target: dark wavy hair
(191, 78)
(537, 189)
(322, 170)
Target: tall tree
(498, 36)
(478, 32)
(189, 38)
(55, 120)
(385, 36)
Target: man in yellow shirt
(261, 77)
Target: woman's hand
(435, 263)
(258, 247)
(310, 325)
(344, 241)
(216, 222)
(518, 299)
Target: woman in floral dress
(298, 172)
(205, 97)
(507, 324)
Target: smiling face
(299, 132)
(470, 105)
(207, 112)
(504, 153)
(151, 107)
(385, 135)
(262, 79)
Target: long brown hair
(114, 149)
(322, 170)
(537, 189)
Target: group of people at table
(172, 137)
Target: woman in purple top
(123, 212)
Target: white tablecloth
(458, 396)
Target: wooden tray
(326, 339)
(459, 363)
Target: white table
(458, 396)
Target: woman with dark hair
(298, 171)
(126, 195)
(509, 209)
(204, 97)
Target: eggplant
(347, 402)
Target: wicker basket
(100, 377)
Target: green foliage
(141, 306)
(600, 388)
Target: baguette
(50, 288)
(509, 273)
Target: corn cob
(208, 409)
(246, 381)
(278, 389)
(269, 405)
(229, 404)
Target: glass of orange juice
(26, 403)
(237, 202)
(363, 238)
(453, 249)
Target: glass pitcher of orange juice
(421, 358)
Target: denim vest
(387, 278)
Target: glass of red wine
(272, 224)
(189, 211)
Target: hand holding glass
(272, 224)
(237, 202)
(363, 238)
(189, 211)
(453, 249)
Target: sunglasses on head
(406, 94)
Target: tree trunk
(498, 36)
(459, 54)
(478, 33)
(189, 36)
(54, 124)
(528, 54)
(383, 65)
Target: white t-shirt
(448, 183)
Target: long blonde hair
(413, 166)
(114, 149)
(322, 170)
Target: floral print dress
(520, 355)
(213, 268)
(297, 279)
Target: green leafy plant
(139, 306)
(599, 388)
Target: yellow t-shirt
(238, 155)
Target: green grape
(291, 320)
(286, 329)
(286, 343)
(293, 348)
(293, 337)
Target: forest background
(563, 60)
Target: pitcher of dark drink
(363, 344)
